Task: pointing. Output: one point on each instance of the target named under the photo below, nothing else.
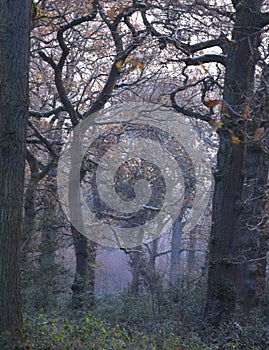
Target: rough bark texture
(229, 176)
(14, 63)
(252, 244)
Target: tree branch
(264, 19)
(187, 111)
(207, 58)
(43, 140)
(48, 113)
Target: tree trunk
(191, 253)
(252, 247)
(229, 175)
(136, 267)
(175, 250)
(85, 270)
(14, 65)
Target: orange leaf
(211, 103)
(120, 8)
(258, 133)
(245, 115)
(235, 140)
(140, 65)
(119, 64)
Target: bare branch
(208, 58)
(48, 113)
(43, 140)
(187, 111)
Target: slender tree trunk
(175, 251)
(136, 266)
(14, 65)
(229, 176)
(84, 280)
(191, 253)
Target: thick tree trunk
(229, 176)
(252, 245)
(14, 64)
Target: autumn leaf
(226, 115)
(203, 67)
(119, 64)
(245, 115)
(211, 103)
(129, 59)
(120, 8)
(111, 13)
(133, 68)
(235, 139)
(258, 133)
(140, 65)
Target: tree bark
(14, 65)
(252, 244)
(229, 175)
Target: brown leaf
(211, 103)
(245, 115)
(120, 8)
(111, 13)
(258, 133)
(235, 139)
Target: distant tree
(14, 66)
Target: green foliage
(169, 319)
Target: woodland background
(206, 60)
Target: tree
(237, 46)
(14, 66)
(67, 41)
(233, 167)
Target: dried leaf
(203, 67)
(235, 139)
(111, 13)
(258, 133)
(245, 115)
(133, 68)
(129, 59)
(140, 65)
(120, 8)
(211, 103)
(119, 64)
